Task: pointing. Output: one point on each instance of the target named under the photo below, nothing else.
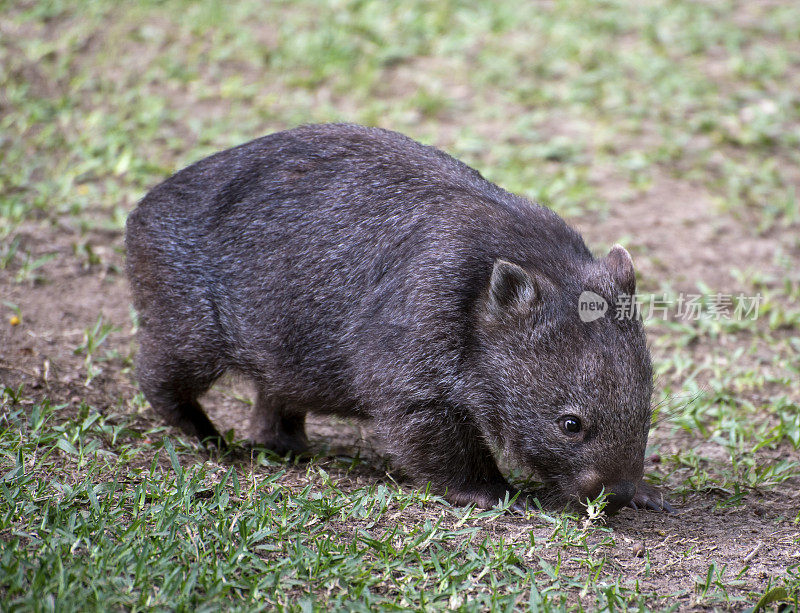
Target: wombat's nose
(620, 494)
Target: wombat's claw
(490, 498)
(525, 503)
(289, 447)
(649, 497)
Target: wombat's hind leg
(276, 426)
(183, 410)
(189, 416)
(172, 390)
(437, 445)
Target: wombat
(353, 271)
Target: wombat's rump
(351, 270)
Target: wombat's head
(566, 375)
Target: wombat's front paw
(486, 497)
(285, 446)
(527, 503)
(649, 497)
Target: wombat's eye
(571, 424)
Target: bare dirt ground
(675, 233)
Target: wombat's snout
(619, 493)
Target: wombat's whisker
(665, 413)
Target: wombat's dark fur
(351, 270)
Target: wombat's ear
(511, 288)
(620, 264)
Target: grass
(592, 108)
(135, 529)
(95, 520)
